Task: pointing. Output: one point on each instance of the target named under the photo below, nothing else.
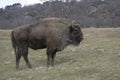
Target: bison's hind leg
(18, 56)
(25, 56)
(22, 51)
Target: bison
(51, 33)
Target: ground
(96, 58)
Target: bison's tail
(13, 40)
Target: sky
(4, 3)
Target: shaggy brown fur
(51, 33)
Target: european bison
(51, 33)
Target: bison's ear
(71, 28)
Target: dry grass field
(96, 58)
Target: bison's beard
(76, 43)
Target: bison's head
(76, 35)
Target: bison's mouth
(77, 42)
(81, 39)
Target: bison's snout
(81, 37)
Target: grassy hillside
(96, 58)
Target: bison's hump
(56, 20)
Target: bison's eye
(76, 32)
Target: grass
(96, 58)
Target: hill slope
(97, 58)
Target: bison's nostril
(81, 39)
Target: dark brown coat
(51, 33)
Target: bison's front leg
(50, 57)
(53, 57)
(48, 60)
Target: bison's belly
(37, 44)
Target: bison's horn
(73, 21)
